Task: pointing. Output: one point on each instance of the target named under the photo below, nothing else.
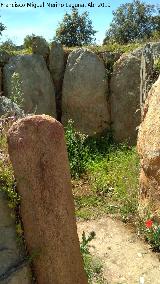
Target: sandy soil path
(126, 259)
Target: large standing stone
(38, 153)
(125, 98)
(36, 83)
(149, 151)
(84, 98)
(13, 267)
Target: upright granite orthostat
(85, 93)
(38, 153)
(149, 151)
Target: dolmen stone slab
(35, 84)
(149, 150)
(38, 153)
(85, 93)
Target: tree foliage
(2, 28)
(133, 21)
(75, 29)
(8, 45)
(28, 41)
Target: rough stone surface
(8, 108)
(38, 153)
(56, 67)
(84, 98)
(147, 62)
(149, 151)
(36, 83)
(155, 47)
(40, 47)
(12, 261)
(56, 64)
(125, 98)
(4, 58)
(150, 53)
(21, 275)
(137, 52)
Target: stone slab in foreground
(38, 153)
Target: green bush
(8, 46)
(78, 151)
(82, 150)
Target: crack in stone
(13, 269)
(3, 248)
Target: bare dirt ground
(126, 259)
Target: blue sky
(44, 20)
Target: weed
(16, 90)
(92, 266)
(150, 229)
(82, 150)
(84, 246)
(78, 152)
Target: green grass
(116, 176)
(109, 47)
(105, 175)
(112, 185)
(115, 47)
(13, 52)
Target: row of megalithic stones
(38, 154)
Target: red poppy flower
(149, 223)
